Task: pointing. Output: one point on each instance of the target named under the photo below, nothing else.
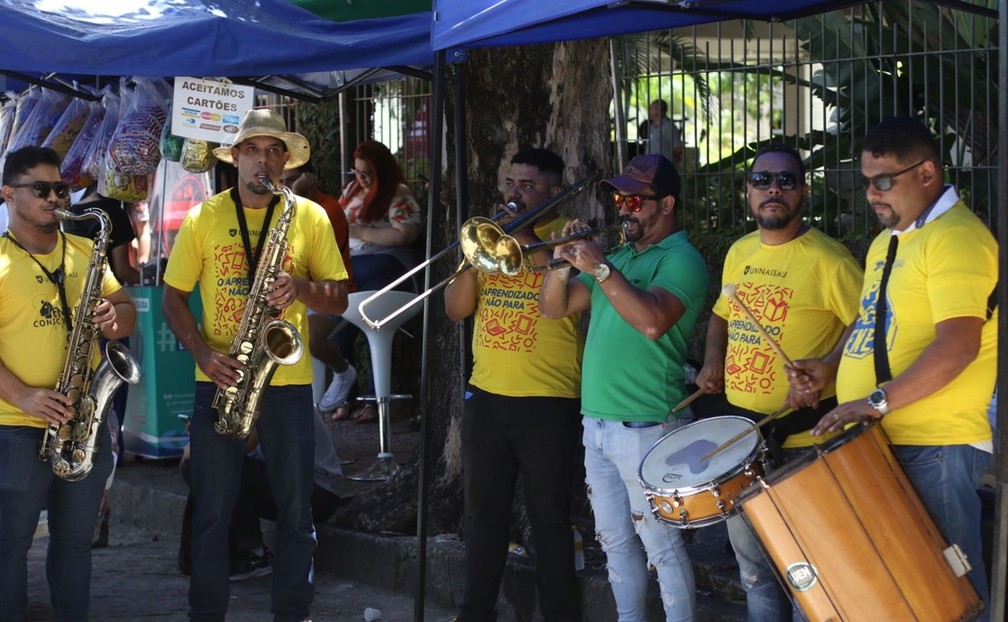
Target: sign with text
(209, 110)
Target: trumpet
(476, 234)
(485, 239)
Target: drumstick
(732, 293)
(688, 400)
(742, 434)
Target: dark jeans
(536, 439)
(27, 485)
(287, 439)
(255, 501)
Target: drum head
(674, 462)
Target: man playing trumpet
(645, 299)
(520, 417)
(802, 287)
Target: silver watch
(600, 271)
(877, 400)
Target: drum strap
(881, 347)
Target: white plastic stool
(380, 343)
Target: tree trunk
(551, 95)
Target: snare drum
(688, 492)
(852, 540)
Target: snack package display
(197, 155)
(135, 147)
(68, 127)
(73, 163)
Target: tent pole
(621, 133)
(996, 608)
(435, 131)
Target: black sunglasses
(633, 202)
(41, 189)
(883, 183)
(786, 180)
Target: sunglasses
(786, 180)
(41, 189)
(883, 183)
(633, 202)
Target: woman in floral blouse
(384, 219)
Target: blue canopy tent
(274, 42)
(463, 24)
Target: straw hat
(266, 122)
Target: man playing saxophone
(218, 249)
(42, 279)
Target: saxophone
(70, 447)
(263, 342)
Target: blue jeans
(534, 439)
(623, 521)
(27, 485)
(766, 598)
(287, 439)
(946, 479)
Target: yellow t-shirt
(33, 338)
(944, 270)
(805, 294)
(516, 352)
(209, 252)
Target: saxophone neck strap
(253, 259)
(57, 277)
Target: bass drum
(687, 491)
(852, 540)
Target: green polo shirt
(626, 376)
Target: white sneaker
(338, 389)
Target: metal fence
(817, 83)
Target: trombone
(509, 257)
(477, 237)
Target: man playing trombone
(520, 417)
(645, 299)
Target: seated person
(249, 556)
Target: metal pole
(621, 133)
(1000, 546)
(436, 129)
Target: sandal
(342, 412)
(366, 414)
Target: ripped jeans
(623, 522)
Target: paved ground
(136, 578)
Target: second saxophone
(263, 341)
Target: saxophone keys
(66, 432)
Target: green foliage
(320, 125)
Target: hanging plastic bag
(94, 160)
(135, 147)
(120, 186)
(73, 162)
(68, 127)
(197, 155)
(171, 145)
(22, 110)
(40, 121)
(7, 112)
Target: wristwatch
(600, 271)
(877, 400)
